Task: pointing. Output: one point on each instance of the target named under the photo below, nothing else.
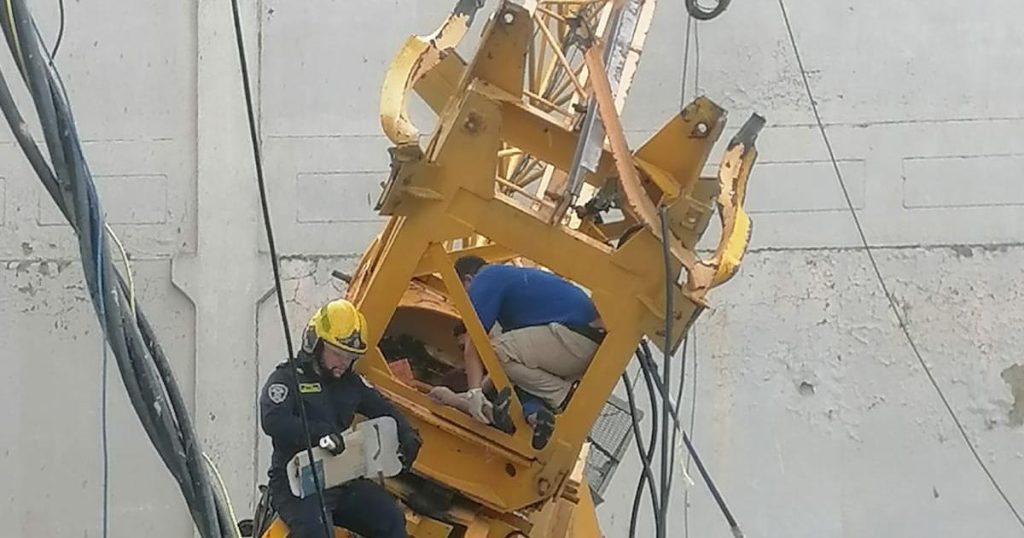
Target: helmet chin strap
(323, 371)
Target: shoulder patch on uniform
(277, 392)
(365, 381)
(308, 388)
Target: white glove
(473, 402)
(478, 406)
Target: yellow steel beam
(446, 192)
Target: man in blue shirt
(550, 332)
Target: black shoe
(544, 424)
(500, 416)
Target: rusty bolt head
(543, 486)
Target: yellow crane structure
(505, 175)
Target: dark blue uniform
(361, 505)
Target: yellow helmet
(340, 324)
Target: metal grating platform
(609, 438)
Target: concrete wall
(810, 410)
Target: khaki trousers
(544, 360)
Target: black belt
(589, 332)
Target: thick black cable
(67, 134)
(70, 139)
(646, 458)
(48, 182)
(666, 366)
(679, 407)
(36, 160)
(32, 74)
(733, 526)
(178, 440)
(881, 281)
(651, 371)
(274, 261)
(75, 189)
(183, 448)
(193, 453)
(647, 366)
(658, 384)
(647, 474)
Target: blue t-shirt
(518, 297)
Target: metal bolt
(508, 17)
(543, 486)
(702, 129)
(472, 122)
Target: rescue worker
(331, 393)
(550, 333)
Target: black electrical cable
(28, 146)
(156, 366)
(70, 185)
(656, 377)
(150, 369)
(651, 371)
(191, 444)
(656, 386)
(69, 138)
(733, 526)
(182, 445)
(646, 458)
(666, 366)
(274, 261)
(647, 475)
(38, 85)
(36, 160)
(679, 407)
(881, 281)
(646, 361)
